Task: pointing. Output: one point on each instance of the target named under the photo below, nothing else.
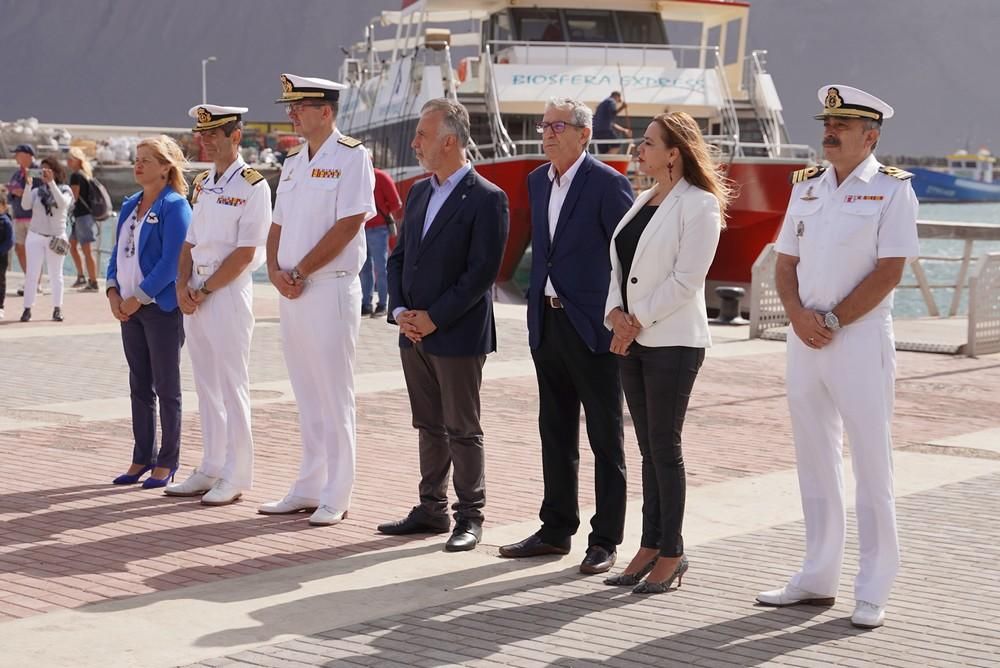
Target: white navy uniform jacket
(313, 195)
(229, 212)
(840, 232)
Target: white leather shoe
(789, 595)
(868, 615)
(222, 494)
(196, 484)
(288, 506)
(326, 516)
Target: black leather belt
(553, 302)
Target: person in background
(84, 232)
(6, 243)
(605, 127)
(142, 273)
(49, 201)
(24, 156)
(660, 255)
(377, 233)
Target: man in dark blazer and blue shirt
(576, 202)
(440, 276)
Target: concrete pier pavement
(96, 575)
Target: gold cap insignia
(833, 99)
(286, 85)
(203, 115)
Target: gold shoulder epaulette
(800, 175)
(293, 150)
(896, 173)
(252, 176)
(350, 142)
(197, 185)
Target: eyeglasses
(297, 107)
(558, 127)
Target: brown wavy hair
(681, 131)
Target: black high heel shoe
(648, 587)
(631, 579)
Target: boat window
(971, 164)
(590, 26)
(640, 28)
(538, 25)
(732, 53)
(500, 27)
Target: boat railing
(504, 145)
(763, 97)
(978, 277)
(602, 53)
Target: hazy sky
(139, 63)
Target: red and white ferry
(503, 59)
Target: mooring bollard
(729, 306)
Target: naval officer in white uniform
(225, 244)
(846, 237)
(315, 251)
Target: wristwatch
(831, 321)
(296, 275)
(204, 289)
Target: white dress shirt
(560, 188)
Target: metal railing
(650, 54)
(982, 282)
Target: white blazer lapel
(663, 213)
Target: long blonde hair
(681, 131)
(77, 153)
(167, 152)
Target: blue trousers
(373, 273)
(152, 339)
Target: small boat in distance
(970, 177)
(511, 56)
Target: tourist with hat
(842, 248)
(225, 243)
(315, 251)
(24, 156)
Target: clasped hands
(122, 309)
(625, 328)
(415, 324)
(189, 299)
(811, 328)
(287, 286)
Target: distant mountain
(139, 63)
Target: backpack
(99, 201)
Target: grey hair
(872, 124)
(582, 115)
(455, 121)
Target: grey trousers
(444, 400)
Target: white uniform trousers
(848, 385)
(218, 337)
(319, 335)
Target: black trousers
(3, 276)
(658, 383)
(569, 375)
(152, 339)
(444, 400)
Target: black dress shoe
(57, 314)
(466, 536)
(533, 546)
(414, 523)
(26, 315)
(598, 560)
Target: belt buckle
(553, 302)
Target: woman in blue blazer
(142, 270)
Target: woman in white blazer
(660, 254)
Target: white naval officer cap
(295, 88)
(850, 102)
(211, 116)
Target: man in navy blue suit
(576, 202)
(440, 276)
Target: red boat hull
(754, 217)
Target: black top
(627, 241)
(81, 206)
